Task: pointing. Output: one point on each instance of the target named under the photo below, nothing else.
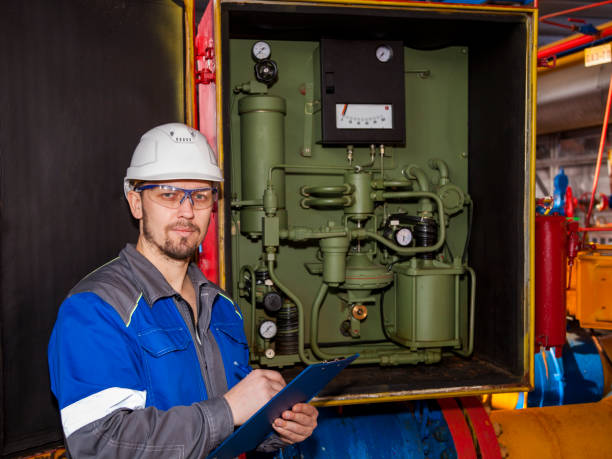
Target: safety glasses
(172, 197)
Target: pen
(243, 370)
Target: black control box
(362, 92)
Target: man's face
(176, 233)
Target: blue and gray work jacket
(132, 374)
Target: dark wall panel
(80, 81)
(497, 186)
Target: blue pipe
(399, 430)
(575, 377)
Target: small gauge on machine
(364, 116)
(261, 50)
(384, 53)
(403, 237)
(267, 329)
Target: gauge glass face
(364, 116)
(261, 50)
(403, 237)
(267, 329)
(384, 53)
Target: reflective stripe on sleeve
(98, 405)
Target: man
(147, 358)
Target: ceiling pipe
(574, 44)
(572, 97)
(573, 10)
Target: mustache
(183, 225)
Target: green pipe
(413, 172)
(314, 324)
(318, 169)
(472, 315)
(381, 184)
(357, 233)
(298, 305)
(251, 271)
(313, 168)
(344, 201)
(326, 190)
(322, 235)
(442, 167)
(457, 307)
(398, 358)
(254, 202)
(298, 233)
(372, 159)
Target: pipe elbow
(413, 172)
(442, 167)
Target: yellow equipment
(589, 296)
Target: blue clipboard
(300, 390)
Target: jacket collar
(150, 281)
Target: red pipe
(574, 43)
(558, 24)
(572, 10)
(602, 143)
(595, 228)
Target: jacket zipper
(182, 306)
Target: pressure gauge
(403, 237)
(267, 329)
(384, 53)
(261, 50)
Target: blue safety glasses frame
(172, 196)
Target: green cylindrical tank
(426, 304)
(363, 205)
(262, 143)
(334, 259)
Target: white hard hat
(172, 151)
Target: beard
(181, 249)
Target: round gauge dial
(267, 329)
(403, 237)
(384, 53)
(261, 50)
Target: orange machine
(589, 296)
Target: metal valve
(359, 311)
(266, 71)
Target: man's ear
(135, 202)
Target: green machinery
(350, 206)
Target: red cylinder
(550, 279)
(208, 259)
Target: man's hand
(296, 425)
(253, 392)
